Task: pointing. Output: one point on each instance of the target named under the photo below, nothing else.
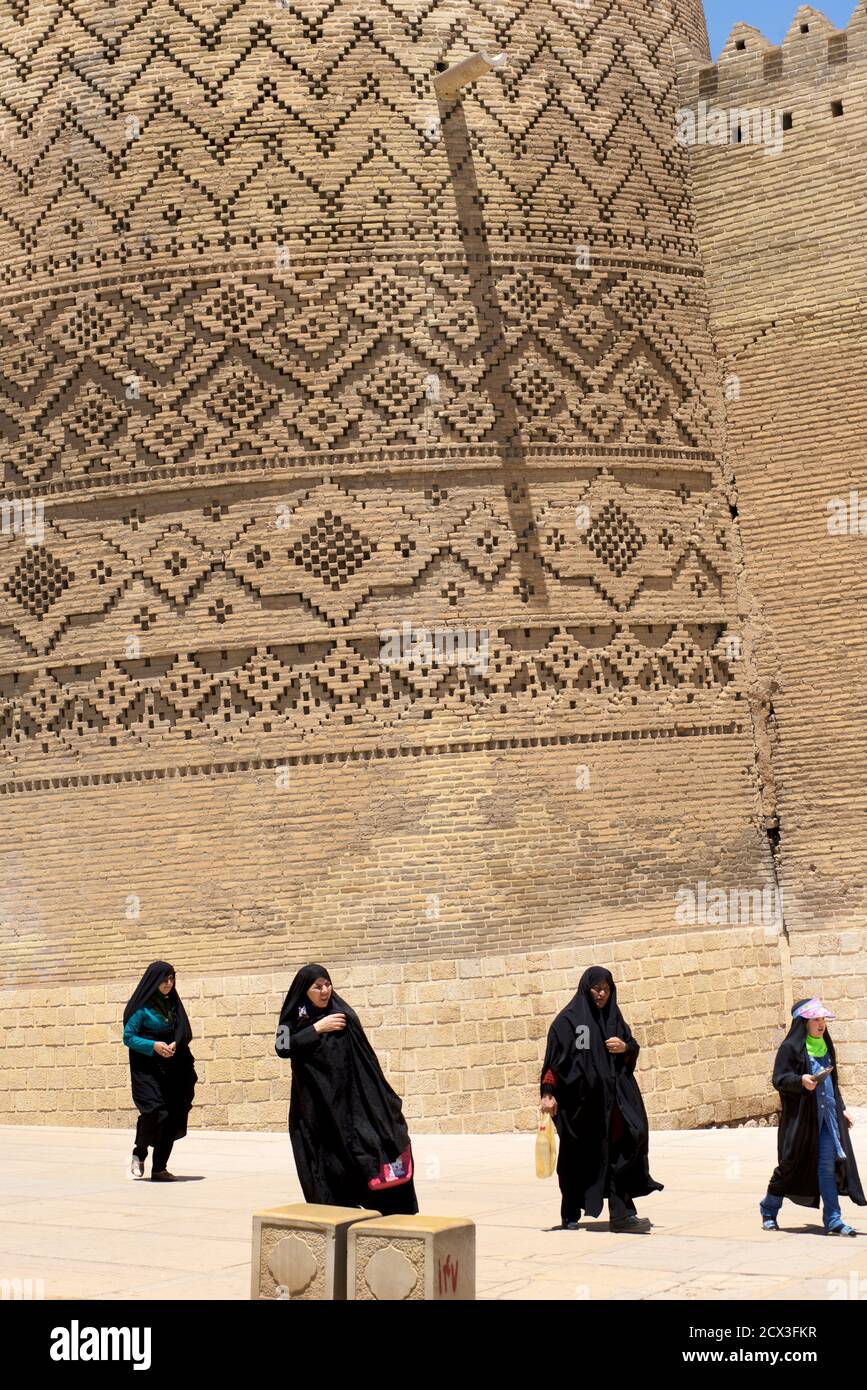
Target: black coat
(592, 1083)
(797, 1173)
(162, 1087)
(345, 1121)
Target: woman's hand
(615, 1044)
(548, 1105)
(164, 1049)
(848, 1118)
(331, 1023)
(808, 1082)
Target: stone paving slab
(70, 1215)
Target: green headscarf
(817, 1047)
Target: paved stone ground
(70, 1216)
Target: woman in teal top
(157, 1033)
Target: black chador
(796, 1174)
(162, 1087)
(345, 1121)
(601, 1119)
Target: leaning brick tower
(296, 350)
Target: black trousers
(620, 1204)
(162, 1147)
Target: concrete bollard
(430, 1258)
(299, 1252)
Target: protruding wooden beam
(450, 82)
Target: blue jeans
(769, 1206)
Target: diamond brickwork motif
(332, 550)
(37, 581)
(596, 678)
(615, 538)
(296, 356)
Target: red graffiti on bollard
(447, 1273)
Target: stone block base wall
(461, 1040)
(834, 964)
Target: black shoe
(570, 1226)
(632, 1222)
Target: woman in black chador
(157, 1032)
(813, 1144)
(349, 1137)
(588, 1085)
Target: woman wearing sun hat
(813, 1145)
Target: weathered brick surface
(294, 355)
(782, 238)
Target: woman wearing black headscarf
(813, 1145)
(349, 1137)
(588, 1085)
(157, 1032)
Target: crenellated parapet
(752, 70)
(776, 138)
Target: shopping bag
(393, 1174)
(546, 1147)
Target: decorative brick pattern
(293, 354)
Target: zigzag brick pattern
(294, 354)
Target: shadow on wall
(483, 294)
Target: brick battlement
(773, 205)
(752, 70)
(781, 225)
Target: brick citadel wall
(459, 1039)
(782, 235)
(294, 353)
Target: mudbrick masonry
(781, 236)
(390, 575)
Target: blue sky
(773, 17)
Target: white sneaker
(136, 1168)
